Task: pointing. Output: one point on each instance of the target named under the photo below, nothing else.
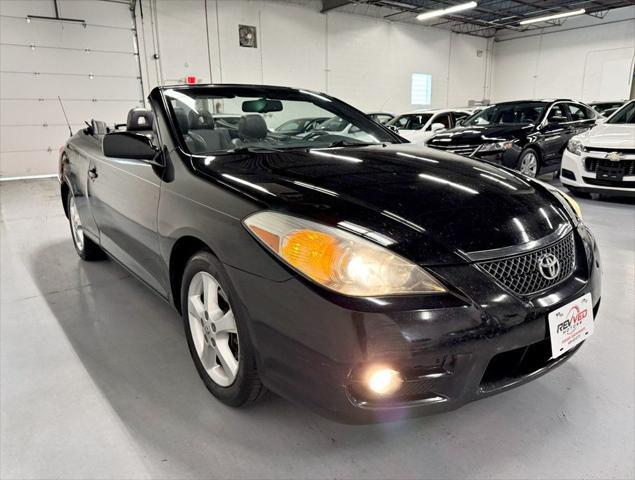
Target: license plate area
(612, 172)
(570, 325)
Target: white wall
(590, 63)
(364, 61)
(92, 67)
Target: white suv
(420, 125)
(602, 160)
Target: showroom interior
(96, 380)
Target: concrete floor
(97, 382)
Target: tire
(84, 246)
(577, 193)
(529, 162)
(222, 353)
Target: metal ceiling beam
(490, 16)
(331, 4)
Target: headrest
(139, 119)
(201, 120)
(182, 120)
(252, 127)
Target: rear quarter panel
(74, 172)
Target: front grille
(465, 150)
(521, 273)
(591, 165)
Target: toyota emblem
(549, 266)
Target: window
(459, 116)
(250, 115)
(578, 112)
(443, 118)
(333, 124)
(421, 89)
(516, 112)
(626, 114)
(557, 114)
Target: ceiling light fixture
(446, 11)
(553, 17)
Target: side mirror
(129, 145)
(437, 126)
(600, 120)
(459, 123)
(393, 128)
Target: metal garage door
(91, 65)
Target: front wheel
(216, 335)
(529, 163)
(85, 247)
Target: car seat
(202, 124)
(141, 121)
(193, 142)
(251, 129)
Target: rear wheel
(216, 335)
(85, 247)
(529, 163)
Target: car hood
(433, 206)
(476, 135)
(616, 136)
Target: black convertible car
(366, 277)
(529, 136)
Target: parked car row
(529, 136)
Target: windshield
(602, 107)
(626, 114)
(410, 121)
(508, 113)
(266, 118)
(334, 124)
(293, 125)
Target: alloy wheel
(529, 164)
(213, 328)
(76, 225)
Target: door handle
(92, 173)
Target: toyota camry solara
(351, 271)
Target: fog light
(383, 381)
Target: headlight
(575, 146)
(496, 146)
(336, 259)
(563, 197)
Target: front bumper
(451, 350)
(573, 173)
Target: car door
(554, 131)
(124, 195)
